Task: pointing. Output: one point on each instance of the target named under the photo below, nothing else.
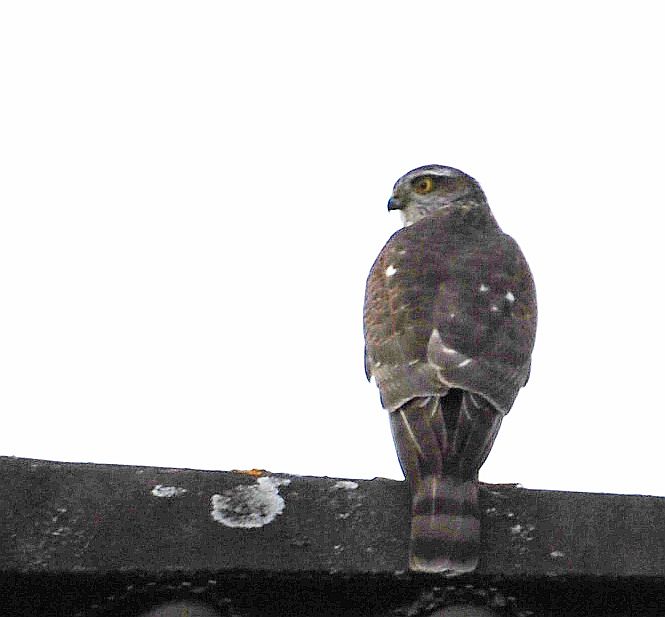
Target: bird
(449, 321)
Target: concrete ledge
(88, 539)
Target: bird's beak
(394, 203)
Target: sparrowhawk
(450, 323)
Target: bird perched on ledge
(450, 323)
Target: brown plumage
(450, 320)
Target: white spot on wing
(412, 362)
(495, 308)
(510, 297)
(390, 270)
(483, 287)
(464, 363)
(436, 339)
(436, 342)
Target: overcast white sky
(193, 193)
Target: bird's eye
(423, 185)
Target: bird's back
(470, 284)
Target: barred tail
(445, 526)
(441, 443)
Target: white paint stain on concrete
(167, 491)
(345, 485)
(248, 506)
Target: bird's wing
(396, 325)
(484, 318)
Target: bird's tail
(445, 526)
(441, 444)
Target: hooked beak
(395, 204)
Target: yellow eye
(423, 185)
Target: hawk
(450, 323)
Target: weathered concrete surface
(105, 530)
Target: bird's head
(431, 188)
